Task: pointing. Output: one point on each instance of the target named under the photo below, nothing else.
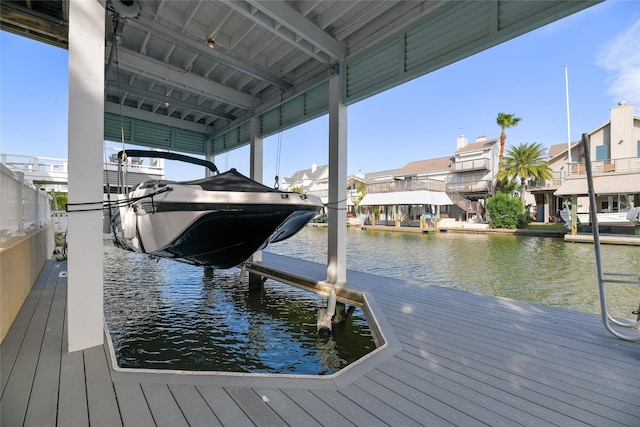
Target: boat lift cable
(276, 185)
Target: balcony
(483, 186)
(406, 185)
(472, 165)
(627, 164)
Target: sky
(599, 46)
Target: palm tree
(505, 121)
(508, 186)
(527, 162)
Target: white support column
(256, 162)
(208, 155)
(337, 204)
(86, 135)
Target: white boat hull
(207, 223)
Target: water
(164, 314)
(542, 270)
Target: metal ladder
(611, 323)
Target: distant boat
(623, 218)
(218, 221)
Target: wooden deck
(458, 359)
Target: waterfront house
(409, 195)
(548, 206)
(314, 180)
(615, 162)
(472, 179)
(53, 173)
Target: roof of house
(557, 149)
(424, 166)
(478, 146)
(312, 173)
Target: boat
(607, 219)
(218, 221)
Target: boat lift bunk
(625, 329)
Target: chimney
(461, 142)
(481, 138)
(314, 167)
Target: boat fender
(129, 224)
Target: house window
(602, 152)
(604, 206)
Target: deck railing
(472, 165)
(627, 164)
(406, 185)
(469, 186)
(22, 206)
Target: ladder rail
(608, 320)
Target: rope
(279, 149)
(117, 203)
(124, 153)
(328, 205)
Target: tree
(526, 162)
(505, 121)
(508, 186)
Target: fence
(23, 206)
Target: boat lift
(612, 324)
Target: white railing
(22, 206)
(627, 164)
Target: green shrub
(506, 212)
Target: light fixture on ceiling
(211, 43)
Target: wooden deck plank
(532, 353)
(227, 411)
(15, 398)
(47, 376)
(254, 407)
(286, 409)
(17, 332)
(318, 410)
(404, 404)
(546, 374)
(101, 397)
(132, 405)
(73, 409)
(164, 408)
(193, 406)
(443, 411)
(508, 388)
(362, 408)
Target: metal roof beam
(164, 33)
(290, 18)
(174, 76)
(172, 101)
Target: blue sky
(418, 120)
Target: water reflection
(543, 270)
(167, 315)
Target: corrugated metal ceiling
(174, 91)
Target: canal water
(167, 315)
(163, 314)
